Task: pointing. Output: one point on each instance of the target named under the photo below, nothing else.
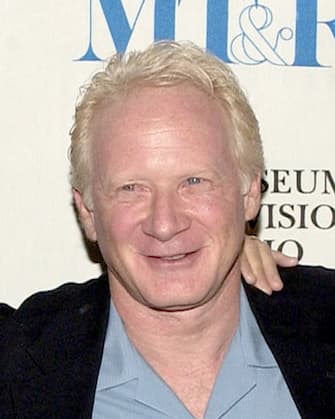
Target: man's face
(168, 212)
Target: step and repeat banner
(283, 53)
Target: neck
(169, 338)
(185, 348)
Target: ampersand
(251, 46)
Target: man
(166, 166)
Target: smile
(178, 259)
(175, 257)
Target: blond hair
(166, 63)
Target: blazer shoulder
(297, 326)
(308, 294)
(311, 273)
(5, 312)
(309, 280)
(41, 307)
(52, 332)
(67, 296)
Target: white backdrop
(284, 55)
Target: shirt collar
(255, 349)
(118, 364)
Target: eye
(130, 187)
(133, 189)
(197, 185)
(194, 180)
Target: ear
(252, 198)
(86, 216)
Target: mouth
(177, 259)
(172, 257)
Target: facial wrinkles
(114, 119)
(159, 141)
(159, 154)
(158, 165)
(155, 134)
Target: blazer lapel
(295, 333)
(59, 362)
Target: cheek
(116, 223)
(219, 211)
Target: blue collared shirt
(249, 384)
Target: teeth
(177, 257)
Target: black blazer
(51, 347)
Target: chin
(179, 293)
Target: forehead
(179, 117)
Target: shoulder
(50, 331)
(297, 324)
(5, 312)
(310, 286)
(308, 297)
(43, 306)
(315, 275)
(303, 281)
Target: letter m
(118, 26)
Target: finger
(247, 271)
(253, 265)
(283, 260)
(269, 264)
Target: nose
(166, 217)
